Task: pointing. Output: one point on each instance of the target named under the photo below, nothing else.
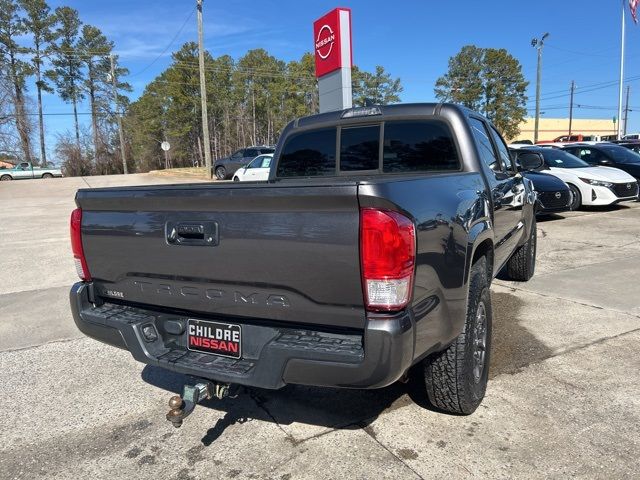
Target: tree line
(66, 57)
(249, 101)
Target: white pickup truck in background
(26, 170)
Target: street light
(538, 44)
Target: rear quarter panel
(451, 218)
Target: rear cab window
(386, 147)
(309, 154)
(418, 146)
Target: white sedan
(257, 170)
(589, 185)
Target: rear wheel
(47, 175)
(576, 198)
(6, 178)
(221, 173)
(522, 264)
(456, 378)
(236, 179)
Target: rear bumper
(272, 356)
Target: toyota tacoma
(369, 251)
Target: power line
(584, 54)
(175, 37)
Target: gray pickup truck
(26, 170)
(369, 251)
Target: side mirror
(530, 161)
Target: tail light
(76, 245)
(387, 258)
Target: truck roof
(376, 111)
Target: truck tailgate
(277, 252)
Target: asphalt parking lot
(564, 398)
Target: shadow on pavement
(549, 217)
(513, 348)
(606, 208)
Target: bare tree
(17, 71)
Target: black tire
(522, 264)
(456, 378)
(576, 198)
(6, 178)
(236, 179)
(47, 175)
(221, 173)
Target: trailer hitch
(182, 407)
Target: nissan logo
(324, 42)
(558, 195)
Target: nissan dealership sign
(332, 41)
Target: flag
(633, 6)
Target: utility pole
(538, 44)
(203, 95)
(626, 110)
(573, 87)
(114, 83)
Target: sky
(412, 40)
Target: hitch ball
(175, 402)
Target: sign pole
(333, 55)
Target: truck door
(507, 189)
(24, 170)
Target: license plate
(222, 339)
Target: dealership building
(551, 128)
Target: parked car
(571, 139)
(370, 250)
(522, 142)
(26, 170)
(224, 168)
(554, 196)
(609, 155)
(631, 136)
(589, 185)
(608, 138)
(257, 170)
(631, 145)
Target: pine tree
(40, 22)
(94, 50)
(377, 88)
(67, 72)
(489, 81)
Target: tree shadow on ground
(514, 347)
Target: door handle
(203, 234)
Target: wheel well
(570, 184)
(485, 249)
(5, 175)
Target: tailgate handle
(192, 233)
